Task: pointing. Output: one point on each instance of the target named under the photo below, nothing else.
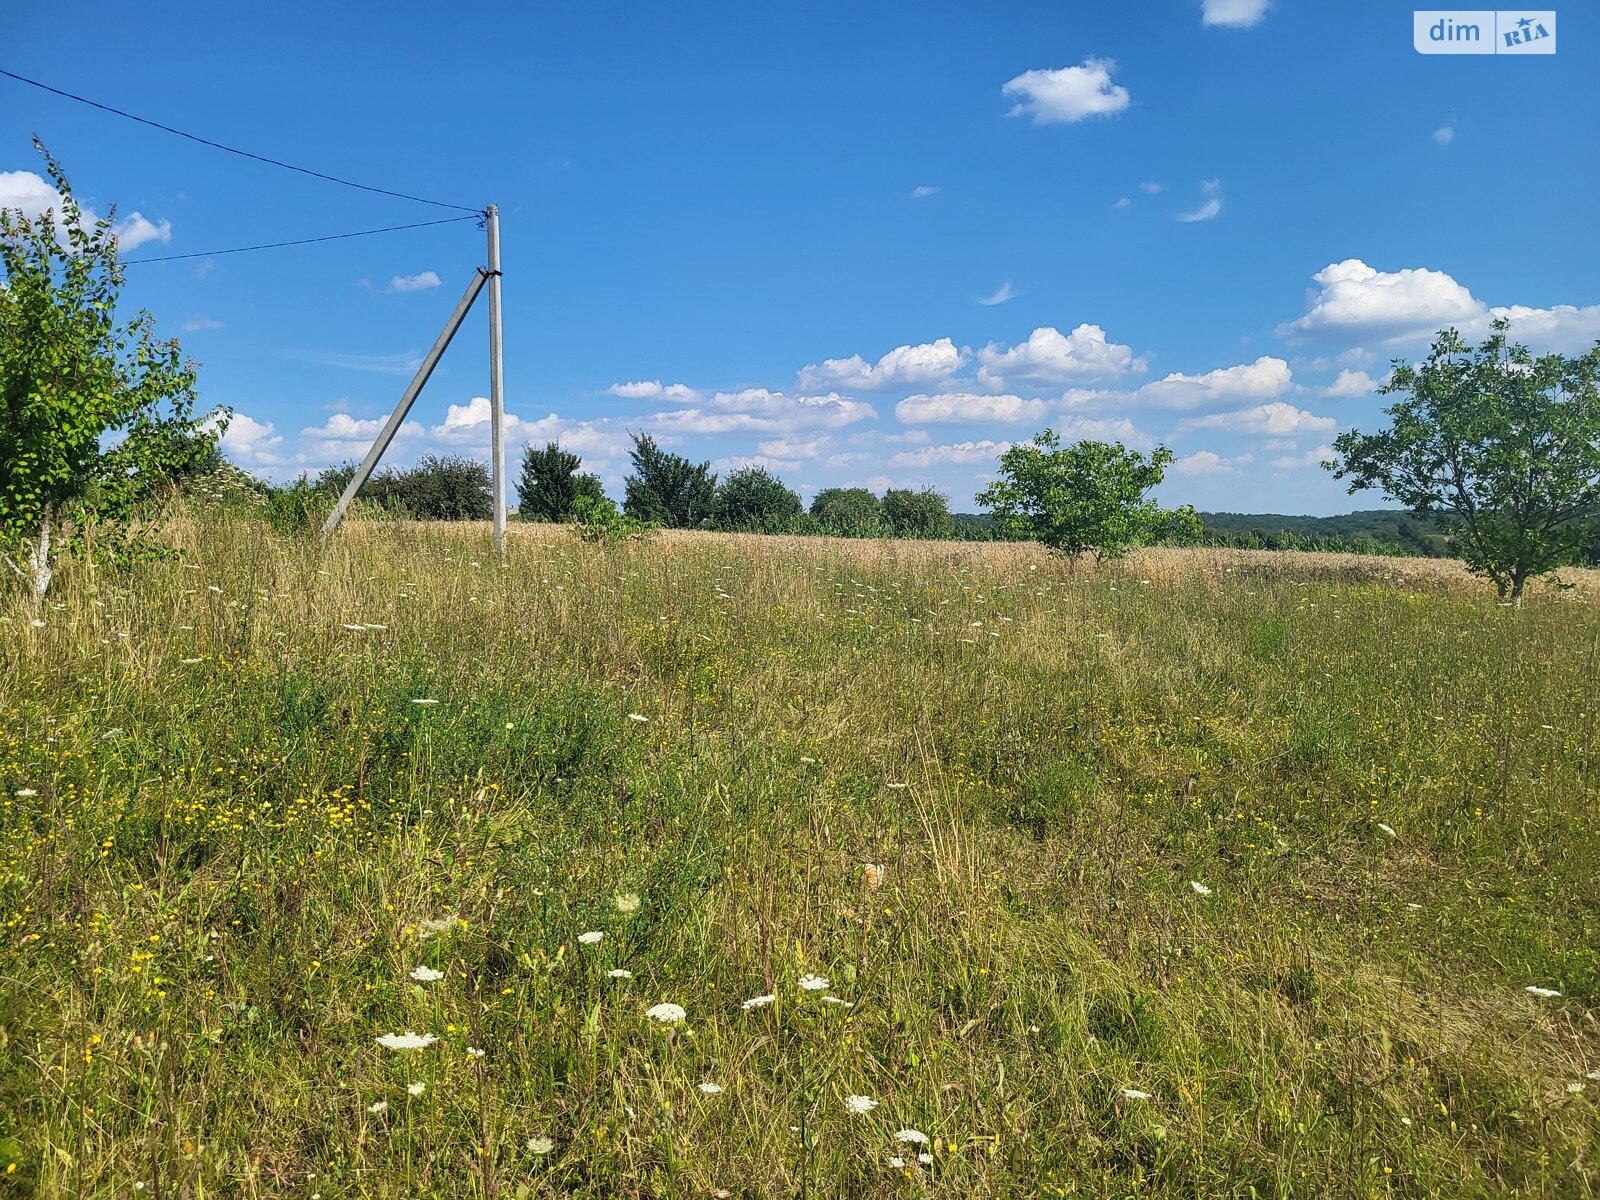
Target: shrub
(754, 498)
(852, 511)
(922, 513)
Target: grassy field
(1207, 874)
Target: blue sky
(854, 243)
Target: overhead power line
(232, 149)
(332, 237)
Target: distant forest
(1371, 531)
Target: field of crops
(720, 866)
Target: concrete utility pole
(497, 398)
(490, 275)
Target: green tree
(1502, 449)
(667, 488)
(1086, 497)
(923, 513)
(754, 498)
(96, 418)
(848, 510)
(550, 484)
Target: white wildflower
(758, 1002)
(1134, 1094)
(382, 1106)
(925, 1159)
(711, 1089)
(1199, 888)
(1543, 992)
(836, 1000)
(859, 1106)
(476, 1052)
(406, 1041)
(540, 1144)
(1574, 1088)
(426, 974)
(626, 902)
(424, 700)
(1389, 829)
(667, 1014)
(416, 1089)
(591, 938)
(896, 1162)
(620, 973)
(814, 983)
(27, 792)
(913, 1137)
(639, 717)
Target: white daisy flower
(1199, 888)
(859, 1106)
(757, 1002)
(426, 974)
(593, 937)
(406, 1041)
(814, 983)
(667, 1014)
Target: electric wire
(231, 149)
(331, 237)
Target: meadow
(721, 866)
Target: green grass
(224, 825)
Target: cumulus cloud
(951, 408)
(1000, 295)
(420, 282)
(1355, 301)
(653, 389)
(34, 195)
(1444, 135)
(955, 454)
(1104, 429)
(1234, 14)
(1068, 94)
(249, 443)
(791, 448)
(1050, 356)
(1267, 376)
(1311, 458)
(902, 367)
(1275, 419)
(1207, 462)
(1351, 383)
(757, 410)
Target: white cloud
(902, 367)
(1267, 376)
(1351, 383)
(1106, 429)
(789, 448)
(249, 443)
(1151, 188)
(1068, 94)
(1444, 135)
(1561, 327)
(200, 321)
(1122, 203)
(415, 283)
(1210, 209)
(757, 410)
(653, 389)
(968, 407)
(739, 462)
(917, 193)
(1234, 14)
(1000, 295)
(342, 437)
(34, 194)
(1356, 301)
(1276, 419)
(956, 454)
(1207, 462)
(1311, 458)
(1050, 356)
